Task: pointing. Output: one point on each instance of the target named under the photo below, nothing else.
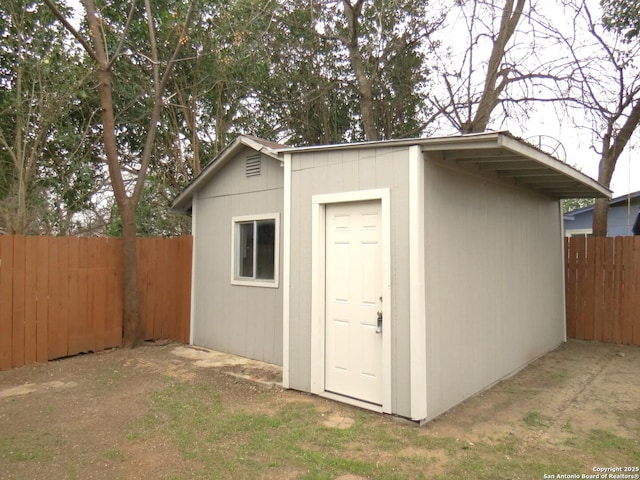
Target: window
(582, 232)
(255, 250)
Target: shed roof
(498, 154)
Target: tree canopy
(308, 72)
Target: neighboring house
(401, 276)
(623, 212)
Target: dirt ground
(80, 409)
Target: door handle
(379, 327)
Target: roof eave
(513, 160)
(182, 202)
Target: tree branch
(120, 46)
(158, 104)
(72, 30)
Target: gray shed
(401, 276)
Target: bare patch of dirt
(581, 385)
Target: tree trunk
(600, 217)
(132, 333)
(127, 205)
(352, 15)
(613, 146)
(492, 88)
(601, 207)
(132, 327)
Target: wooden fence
(60, 296)
(603, 289)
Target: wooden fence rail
(60, 296)
(603, 289)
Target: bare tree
(127, 201)
(475, 85)
(605, 90)
(501, 66)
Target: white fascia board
(401, 142)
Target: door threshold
(352, 401)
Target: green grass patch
(23, 450)
(226, 439)
(114, 454)
(600, 440)
(228, 443)
(535, 419)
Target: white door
(353, 341)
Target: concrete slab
(253, 370)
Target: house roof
(634, 197)
(498, 154)
(182, 202)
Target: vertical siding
(494, 282)
(238, 319)
(336, 171)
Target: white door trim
(318, 204)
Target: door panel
(353, 273)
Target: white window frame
(578, 232)
(235, 239)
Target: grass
(24, 449)
(225, 441)
(534, 419)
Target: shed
(401, 276)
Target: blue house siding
(622, 215)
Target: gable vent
(252, 165)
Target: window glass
(245, 250)
(265, 256)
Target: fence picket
(629, 287)
(635, 313)
(42, 299)
(30, 299)
(6, 302)
(18, 314)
